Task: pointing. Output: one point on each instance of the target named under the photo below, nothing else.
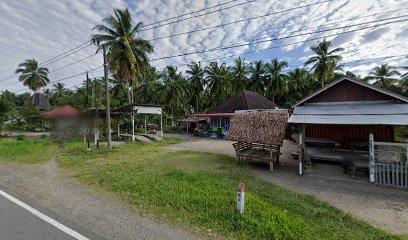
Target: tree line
(197, 89)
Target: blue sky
(42, 29)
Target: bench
(258, 152)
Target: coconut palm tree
(218, 78)
(196, 81)
(59, 90)
(126, 52)
(298, 80)
(32, 75)
(257, 78)
(277, 85)
(174, 89)
(383, 75)
(148, 91)
(325, 61)
(240, 71)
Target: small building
(352, 121)
(220, 116)
(40, 101)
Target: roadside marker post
(241, 197)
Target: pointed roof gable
(370, 93)
(40, 101)
(244, 100)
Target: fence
(389, 163)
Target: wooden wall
(344, 134)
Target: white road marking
(44, 217)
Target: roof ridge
(245, 99)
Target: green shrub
(20, 137)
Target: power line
(69, 77)
(242, 20)
(185, 14)
(80, 60)
(285, 37)
(66, 55)
(62, 67)
(187, 18)
(51, 60)
(72, 49)
(337, 22)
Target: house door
(226, 124)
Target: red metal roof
(64, 112)
(213, 115)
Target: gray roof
(350, 119)
(352, 114)
(40, 101)
(353, 109)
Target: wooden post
(133, 126)
(161, 123)
(118, 131)
(372, 159)
(108, 117)
(145, 124)
(301, 150)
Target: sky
(43, 29)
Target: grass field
(198, 190)
(26, 150)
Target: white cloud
(45, 29)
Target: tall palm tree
(32, 75)
(218, 78)
(148, 90)
(240, 71)
(59, 90)
(383, 76)
(325, 61)
(299, 80)
(196, 81)
(174, 89)
(126, 52)
(277, 85)
(257, 78)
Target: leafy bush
(20, 137)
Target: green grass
(198, 190)
(26, 150)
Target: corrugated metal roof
(353, 109)
(350, 119)
(352, 114)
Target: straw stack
(266, 127)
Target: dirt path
(95, 214)
(383, 207)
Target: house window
(215, 123)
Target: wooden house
(351, 115)
(220, 116)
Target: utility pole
(96, 116)
(87, 110)
(108, 119)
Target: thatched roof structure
(266, 127)
(244, 100)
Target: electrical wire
(285, 37)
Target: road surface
(20, 221)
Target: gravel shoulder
(92, 213)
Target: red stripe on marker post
(240, 197)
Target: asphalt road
(18, 223)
